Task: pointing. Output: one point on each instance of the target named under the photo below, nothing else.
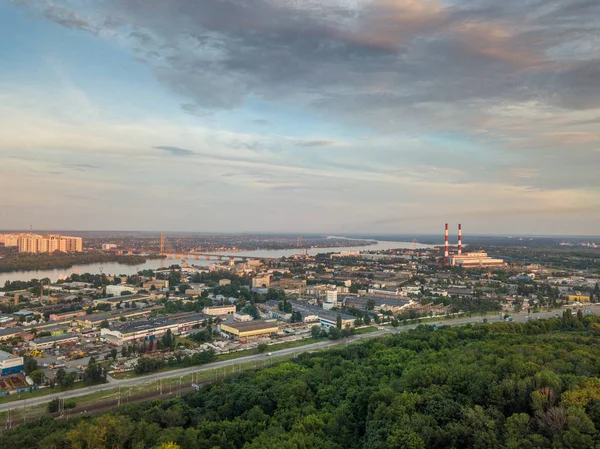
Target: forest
(24, 262)
(501, 385)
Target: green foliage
(24, 261)
(30, 364)
(94, 373)
(502, 385)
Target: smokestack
(446, 252)
(459, 239)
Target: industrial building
(95, 319)
(475, 260)
(66, 316)
(49, 342)
(330, 299)
(242, 317)
(117, 290)
(468, 260)
(9, 333)
(261, 281)
(10, 364)
(251, 329)
(325, 318)
(219, 310)
(149, 329)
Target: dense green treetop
(502, 385)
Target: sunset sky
(332, 116)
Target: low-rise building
(242, 317)
(156, 283)
(149, 329)
(49, 342)
(10, 364)
(219, 310)
(116, 290)
(9, 333)
(261, 281)
(223, 282)
(249, 330)
(65, 316)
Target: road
(124, 383)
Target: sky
(333, 116)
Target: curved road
(113, 383)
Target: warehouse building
(66, 316)
(250, 329)
(149, 329)
(10, 364)
(49, 342)
(9, 333)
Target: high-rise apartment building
(35, 243)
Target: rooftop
(252, 325)
(54, 338)
(9, 331)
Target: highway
(124, 383)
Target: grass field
(39, 393)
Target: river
(118, 268)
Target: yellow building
(580, 298)
(250, 329)
(35, 243)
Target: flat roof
(141, 325)
(5, 355)
(251, 325)
(54, 338)
(9, 331)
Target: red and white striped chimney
(446, 251)
(459, 239)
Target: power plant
(467, 260)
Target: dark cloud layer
(500, 75)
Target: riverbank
(32, 262)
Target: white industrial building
(117, 290)
(474, 260)
(330, 299)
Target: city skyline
(336, 117)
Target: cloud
(175, 151)
(487, 95)
(313, 143)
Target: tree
(124, 351)
(183, 287)
(262, 347)
(53, 405)
(167, 339)
(315, 331)
(37, 376)
(169, 445)
(60, 375)
(370, 304)
(113, 353)
(104, 324)
(338, 321)
(29, 364)
(94, 373)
